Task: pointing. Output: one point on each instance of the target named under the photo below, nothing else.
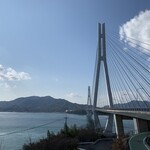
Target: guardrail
(147, 142)
(133, 109)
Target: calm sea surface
(19, 128)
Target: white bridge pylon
(101, 60)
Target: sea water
(16, 128)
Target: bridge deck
(128, 114)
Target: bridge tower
(101, 60)
(89, 102)
(89, 110)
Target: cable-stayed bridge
(121, 84)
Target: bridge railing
(147, 141)
(133, 109)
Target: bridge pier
(96, 121)
(119, 125)
(141, 125)
(109, 124)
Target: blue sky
(48, 47)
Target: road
(102, 144)
(137, 142)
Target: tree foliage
(67, 139)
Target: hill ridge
(39, 104)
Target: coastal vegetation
(67, 139)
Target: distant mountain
(39, 104)
(132, 104)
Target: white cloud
(7, 86)
(137, 28)
(9, 74)
(73, 95)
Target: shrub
(66, 139)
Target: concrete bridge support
(141, 125)
(119, 125)
(109, 124)
(96, 121)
